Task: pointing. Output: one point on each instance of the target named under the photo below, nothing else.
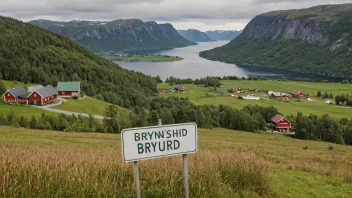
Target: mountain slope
(118, 35)
(315, 40)
(226, 35)
(195, 35)
(32, 54)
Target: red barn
(69, 89)
(281, 124)
(43, 95)
(299, 94)
(17, 95)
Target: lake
(193, 66)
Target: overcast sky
(183, 14)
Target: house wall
(9, 98)
(22, 101)
(48, 99)
(34, 97)
(65, 93)
(284, 124)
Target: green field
(87, 105)
(201, 95)
(12, 84)
(21, 110)
(228, 164)
(144, 58)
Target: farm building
(68, 89)
(299, 94)
(278, 94)
(180, 88)
(250, 97)
(281, 124)
(16, 95)
(238, 90)
(43, 95)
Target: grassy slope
(87, 105)
(291, 107)
(294, 172)
(25, 111)
(12, 84)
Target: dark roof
(297, 92)
(46, 91)
(69, 86)
(179, 87)
(18, 92)
(277, 118)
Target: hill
(228, 164)
(118, 35)
(195, 35)
(226, 35)
(31, 54)
(316, 40)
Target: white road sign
(158, 141)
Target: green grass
(144, 58)
(87, 105)
(291, 107)
(60, 163)
(21, 110)
(15, 84)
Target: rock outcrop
(118, 35)
(316, 40)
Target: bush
(305, 147)
(331, 148)
(74, 97)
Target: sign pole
(136, 178)
(185, 174)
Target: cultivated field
(204, 95)
(228, 164)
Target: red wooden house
(281, 124)
(68, 89)
(299, 94)
(16, 95)
(237, 90)
(43, 95)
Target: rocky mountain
(314, 40)
(225, 35)
(195, 35)
(118, 35)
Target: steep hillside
(226, 35)
(195, 35)
(118, 35)
(315, 40)
(34, 55)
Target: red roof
(277, 118)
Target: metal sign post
(136, 178)
(159, 141)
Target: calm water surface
(193, 66)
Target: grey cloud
(206, 12)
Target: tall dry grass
(69, 171)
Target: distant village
(42, 95)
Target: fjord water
(193, 66)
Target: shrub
(305, 147)
(331, 148)
(75, 97)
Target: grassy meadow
(15, 84)
(204, 95)
(22, 110)
(229, 163)
(87, 105)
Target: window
(63, 92)
(8, 94)
(35, 95)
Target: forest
(31, 54)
